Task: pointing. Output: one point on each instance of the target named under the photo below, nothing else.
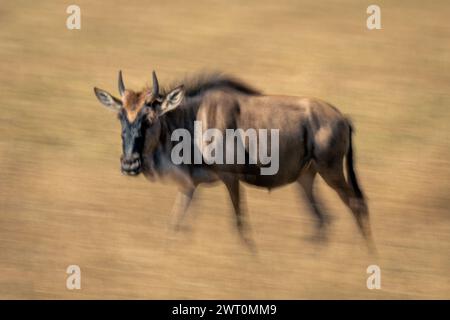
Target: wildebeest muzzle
(131, 164)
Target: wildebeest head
(139, 114)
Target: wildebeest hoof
(320, 236)
(250, 244)
(182, 228)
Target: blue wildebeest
(314, 137)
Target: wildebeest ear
(107, 99)
(172, 100)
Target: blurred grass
(63, 200)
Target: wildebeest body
(308, 129)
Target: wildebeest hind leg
(334, 177)
(306, 181)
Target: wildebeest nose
(135, 156)
(130, 159)
(131, 165)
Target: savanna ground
(64, 201)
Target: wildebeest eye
(151, 104)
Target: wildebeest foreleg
(182, 202)
(232, 185)
(306, 180)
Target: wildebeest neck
(201, 83)
(197, 89)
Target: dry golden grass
(63, 200)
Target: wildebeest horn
(155, 91)
(121, 85)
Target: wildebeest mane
(198, 84)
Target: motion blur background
(63, 200)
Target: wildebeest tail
(351, 176)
